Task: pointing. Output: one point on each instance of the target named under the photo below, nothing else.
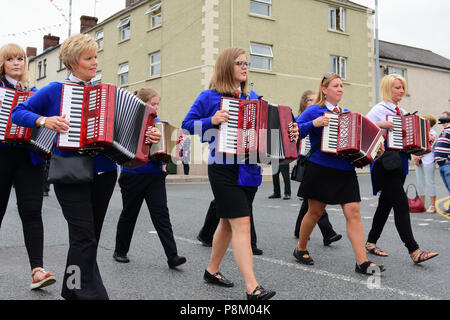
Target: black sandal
(262, 295)
(299, 255)
(366, 268)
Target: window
(123, 73)
(155, 15)
(39, 73)
(336, 19)
(125, 29)
(261, 7)
(261, 56)
(45, 68)
(99, 39)
(98, 78)
(155, 64)
(400, 71)
(338, 65)
(61, 65)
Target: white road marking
(319, 272)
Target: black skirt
(328, 185)
(232, 200)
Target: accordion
(256, 127)
(11, 132)
(107, 119)
(305, 146)
(352, 135)
(410, 134)
(169, 147)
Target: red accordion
(109, 119)
(352, 135)
(259, 128)
(10, 132)
(410, 134)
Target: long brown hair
(327, 78)
(222, 79)
(304, 100)
(13, 50)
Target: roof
(403, 53)
(48, 50)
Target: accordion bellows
(108, 119)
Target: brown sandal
(421, 256)
(372, 248)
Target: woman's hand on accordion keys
(153, 135)
(294, 133)
(57, 123)
(322, 121)
(219, 117)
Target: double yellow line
(445, 204)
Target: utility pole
(70, 18)
(377, 55)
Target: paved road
(148, 276)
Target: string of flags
(42, 28)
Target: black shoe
(299, 256)
(204, 242)
(45, 194)
(274, 196)
(175, 261)
(287, 197)
(120, 258)
(213, 279)
(256, 251)
(328, 241)
(366, 268)
(262, 295)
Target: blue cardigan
(200, 114)
(35, 158)
(47, 102)
(306, 127)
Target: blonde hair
(222, 79)
(386, 85)
(13, 50)
(303, 100)
(431, 118)
(326, 80)
(74, 46)
(146, 94)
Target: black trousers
(84, 207)
(284, 169)
(324, 223)
(135, 189)
(16, 168)
(212, 221)
(392, 196)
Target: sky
(418, 23)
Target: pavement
(147, 277)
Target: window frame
(153, 64)
(403, 71)
(268, 3)
(338, 65)
(124, 24)
(100, 40)
(259, 55)
(333, 19)
(97, 79)
(121, 73)
(152, 16)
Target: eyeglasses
(242, 64)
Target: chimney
(87, 22)
(50, 41)
(31, 52)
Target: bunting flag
(61, 11)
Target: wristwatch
(42, 122)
